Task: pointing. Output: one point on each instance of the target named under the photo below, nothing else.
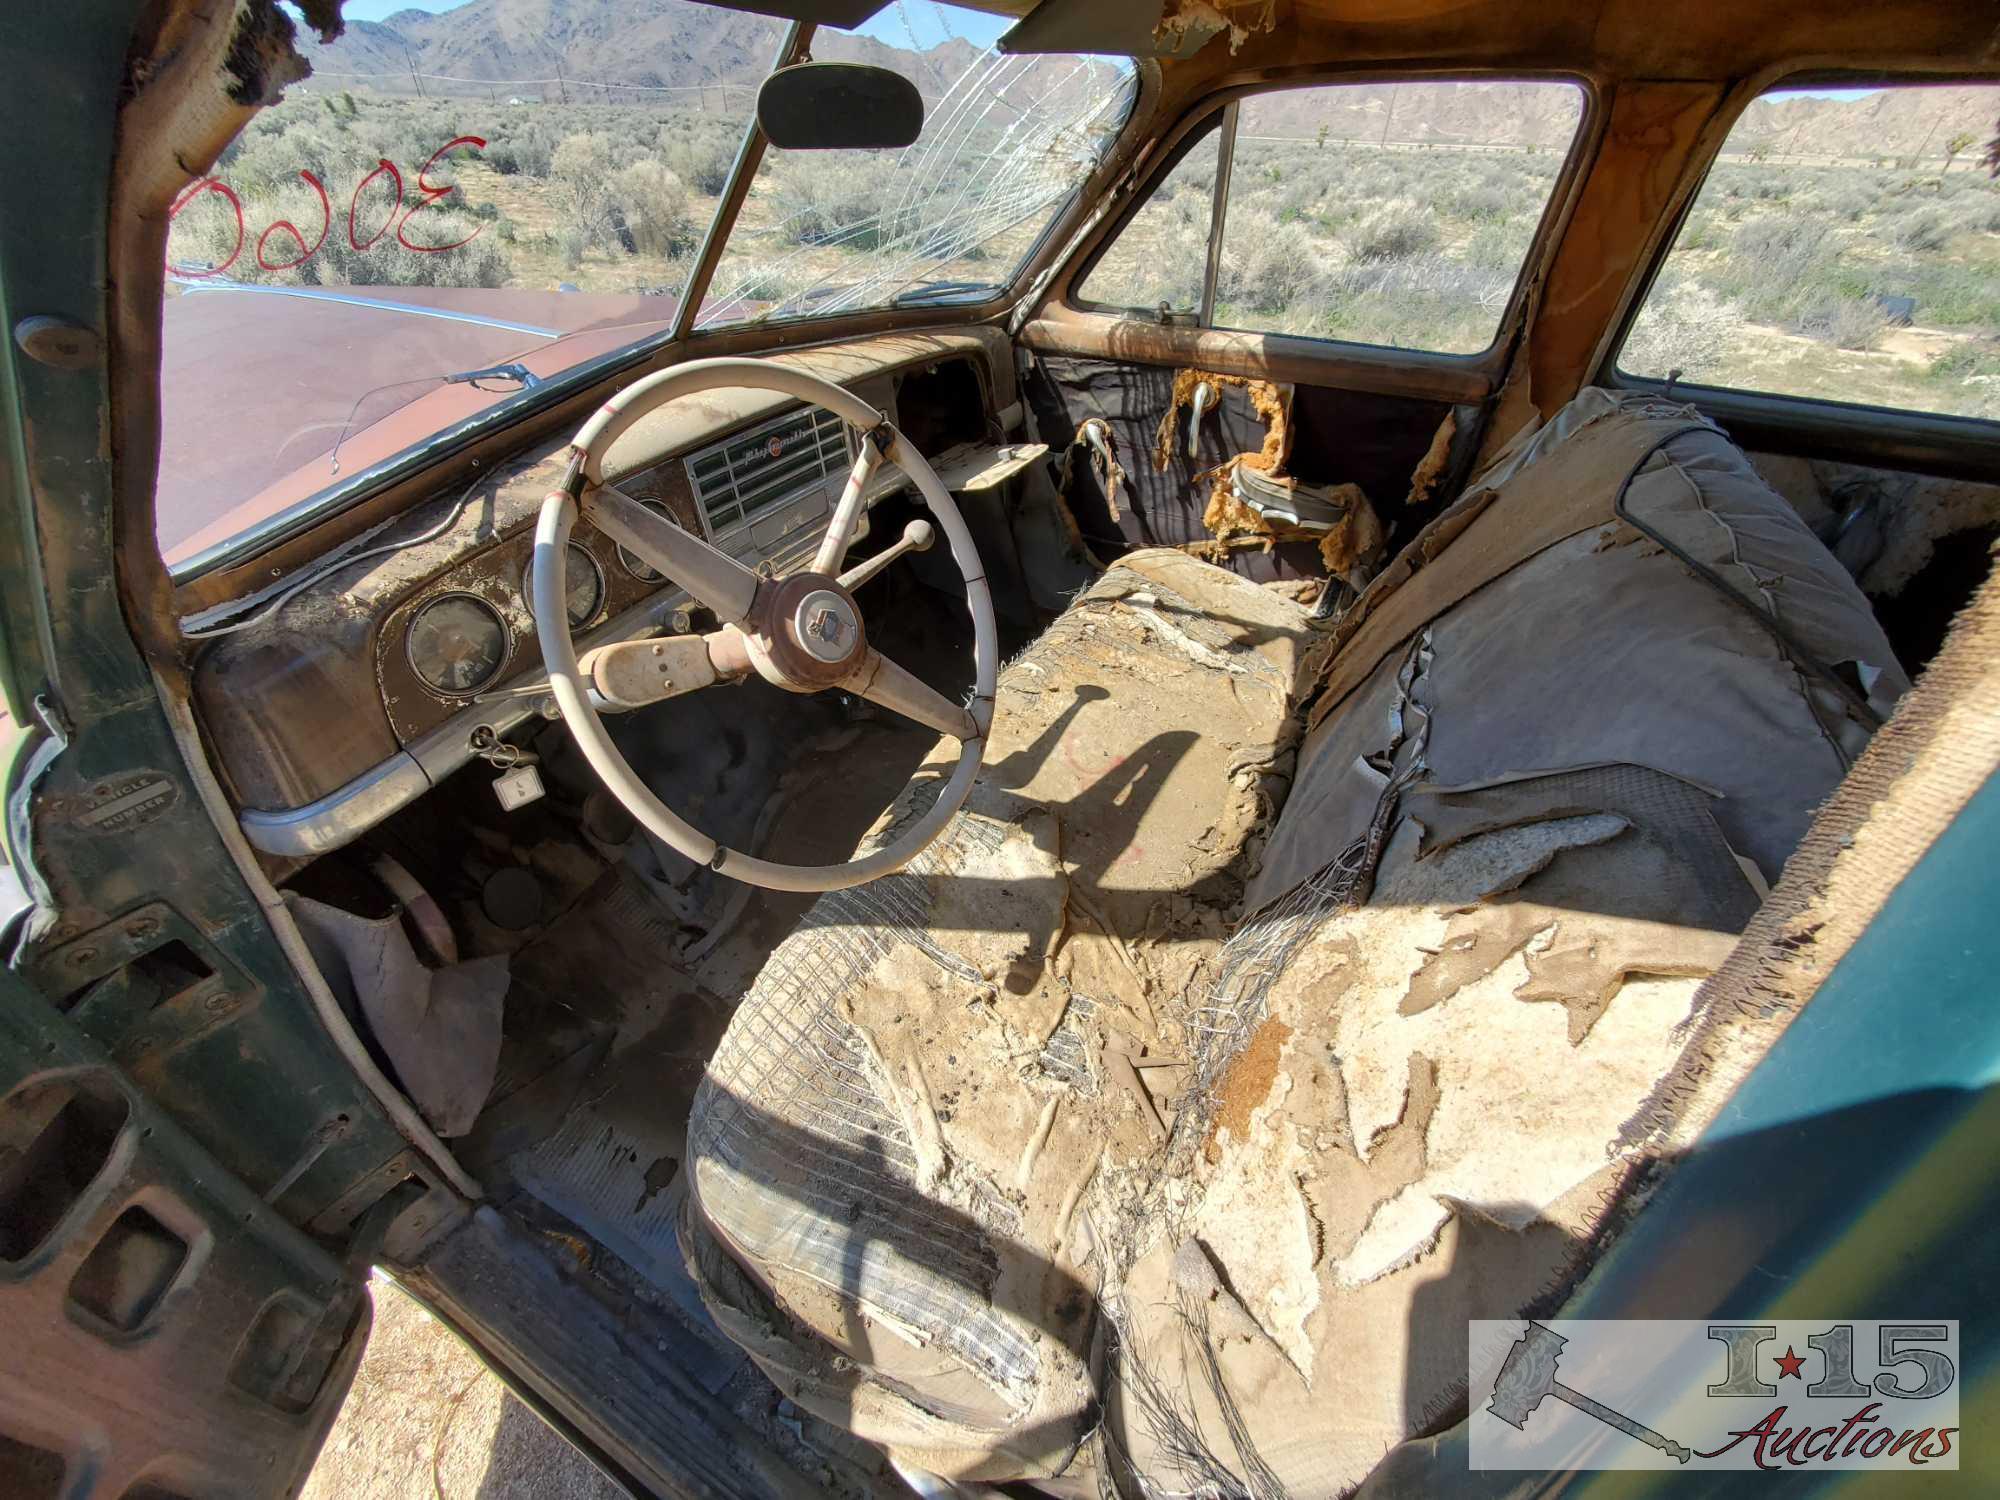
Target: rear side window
(1395, 214)
(1846, 247)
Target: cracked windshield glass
(465, 202)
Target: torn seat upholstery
(1131, 1127)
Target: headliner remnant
(262, 58)
(1204, 18)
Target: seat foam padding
(895, 1133)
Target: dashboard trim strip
(341, 814)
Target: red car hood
(258, 382)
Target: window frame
(1206, 123)
(1939, 443)
(1208, 113)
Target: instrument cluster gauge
(632, 562)
(583, 585)
(457, 644)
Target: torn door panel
(1337, 438)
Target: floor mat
(613, 1169)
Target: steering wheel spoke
(847, 514)
(710, 576)
(802, 633)
(632, 674)
(881, 681)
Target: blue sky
(887, 26)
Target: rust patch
(1246, 1083)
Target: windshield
(455, 209)
(1005, 142)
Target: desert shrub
(1160, 257)
(1844, 322)
(1272, 267)
(203, 238)
(1298, 199)
(581, 168)
(1952, 295)
(832, 202)
(1980, 212)
(1395, 233)
(1972, 359)
(1497, 247)
(701, 160)
(1770, 259)
(1925, 230)
(1850, 201)
(481, 262)
(1421, 302)
(1702, 230)
(1481, 201)
(653, 203)
(528, 153)
(1190, 211)
(1684, 326)
(1779, 240)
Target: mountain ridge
(551, 49)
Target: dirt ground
(427, 1421)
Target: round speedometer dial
(457, 644)
(583, 585)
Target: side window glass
(1393, 214)
(1845, 246)
(1162, 252)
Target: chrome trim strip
(341, 814)
(320, 294)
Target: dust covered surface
(1020, 1027)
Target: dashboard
(379, 679)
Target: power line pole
(560, 82)
(413, 70)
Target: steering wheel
(802, 632)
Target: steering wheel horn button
(827, 626)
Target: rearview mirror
(839, 106)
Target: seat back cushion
(1551, 772)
